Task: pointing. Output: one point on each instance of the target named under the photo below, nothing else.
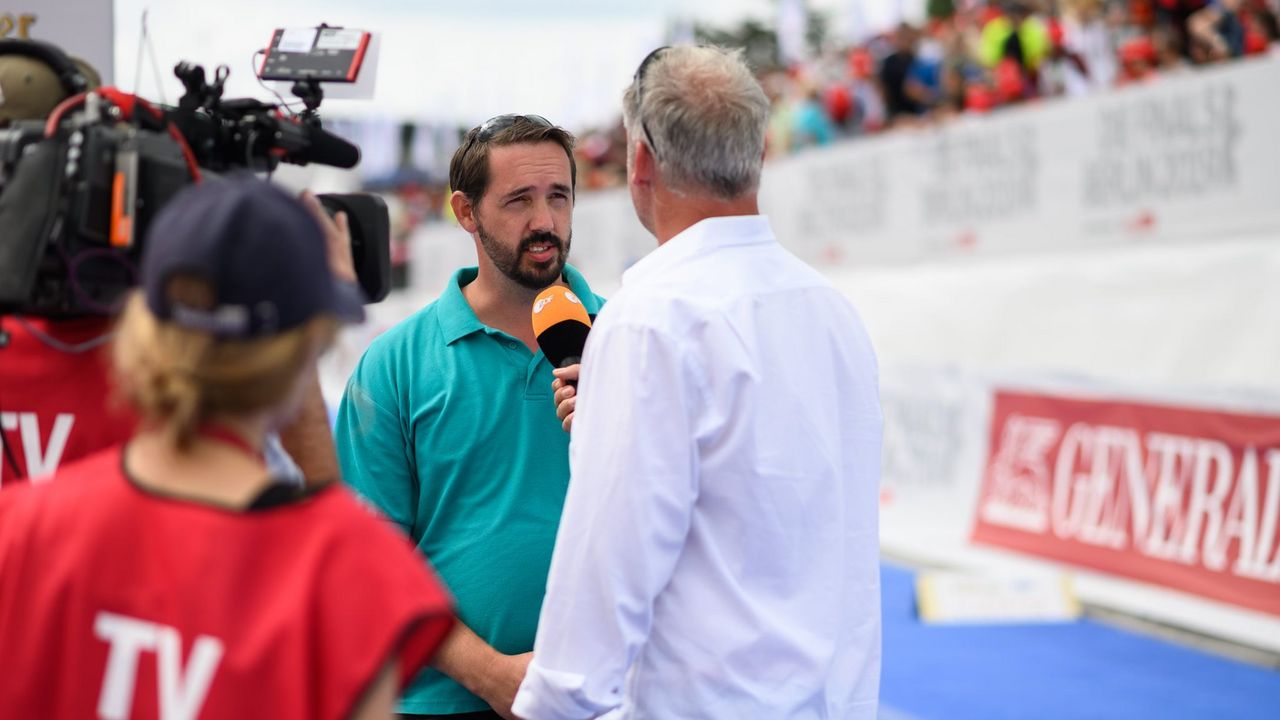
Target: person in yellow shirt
(1016, 35)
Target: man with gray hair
(718, 552)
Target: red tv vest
(119, 603)
(55, 406)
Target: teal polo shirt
(449, 428)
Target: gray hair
(707, 115)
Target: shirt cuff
(554, 695)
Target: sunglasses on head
(638, 83)
(498, 123)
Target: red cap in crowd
(860, 64)
(838, 103)
(1009, 81)
(1055, 32)
(1138, 49)
(979, 98)
(1255, 43)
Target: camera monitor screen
(326, 54)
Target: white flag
(793, 19)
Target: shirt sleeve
(630, 499)
(280, 463)
(373, 450)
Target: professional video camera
(79, 188)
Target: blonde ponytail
(178, 379)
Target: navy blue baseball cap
(259, 248)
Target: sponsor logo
(1186, 498)
(981, 174)
(1174, 145)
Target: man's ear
(463, 210)
(643, 167)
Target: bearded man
(447, 424)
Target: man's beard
(534, 276)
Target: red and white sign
(1180, 497)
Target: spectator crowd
(974, 56)
(968, 57)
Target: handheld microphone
(561, 324)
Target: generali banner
(1180, 497)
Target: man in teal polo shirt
(448, 424)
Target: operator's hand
(337, 238)
(566, 394)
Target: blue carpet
(1074, 670)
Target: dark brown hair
(469, 169)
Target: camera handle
(200, 93)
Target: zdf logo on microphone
(545, 301)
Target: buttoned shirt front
(718, 553)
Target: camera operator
(52, 377)
(55, 395)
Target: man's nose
(543, 220)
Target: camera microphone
(325, 148)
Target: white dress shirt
(718, 553)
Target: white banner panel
(83, 28)
(948, 597)
(1191, 157)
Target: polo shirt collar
(458, 320)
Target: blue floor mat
(1074, 670)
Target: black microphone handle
(571, 360)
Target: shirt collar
(458, 320)
(703, 236)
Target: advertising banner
(1175, 496)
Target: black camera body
(78, 190)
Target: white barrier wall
(1109, 263)
(1187, 330)
(1189, 157)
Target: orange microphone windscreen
(561, 324)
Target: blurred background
(1060, 220)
